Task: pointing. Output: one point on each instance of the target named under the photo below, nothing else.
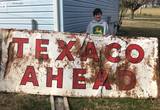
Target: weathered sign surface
(71, 65)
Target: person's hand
(88, 36)
(106, 35)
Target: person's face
(98, 17)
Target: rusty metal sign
(64, 64)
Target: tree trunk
(132, 14)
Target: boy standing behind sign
(97, 25)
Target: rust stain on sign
(0, 53)
(10, 58)
(126, 80)
(53, 63)
(157, 69)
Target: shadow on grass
(13, 101)
(139, 32)
(114, 104)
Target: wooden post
(59, 103)
(66, 104)
(52, 102)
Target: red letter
(66, 50)
(101, 80)
(58, 77)
(108, 53)
(90, 52)
(20, 42)
(126, 80)
(29, 76)
(140, 51)
(40, 49)
(77, 78)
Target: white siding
(78, 13)
(19, 14)
(75, 15)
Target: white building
(56, 15)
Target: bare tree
(133, 5)
(123, 11)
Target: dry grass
(140, 26)
(114, 104)
(13, 101)
(149, 11)
(142, 23)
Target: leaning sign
(64, 64)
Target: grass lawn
(140, 27)
(149, 11)
(139, 32)
(13, 101)
(135, 28)
(114, 104)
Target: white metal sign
(67, 64)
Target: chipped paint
(76, 66)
